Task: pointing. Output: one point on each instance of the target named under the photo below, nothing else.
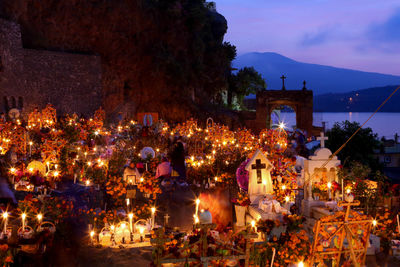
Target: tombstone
(260, 182)
(315, 170)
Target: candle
(343, 190)
(253, 225)
(5, 216)
(197, 207)
(273, 256)
(30, 148)
(398, 223)
(329, 190)
(75, 175)
(39, 217)
(153, 211)
(130, 215)
(141, 231)
(91, 236)
(23, 215)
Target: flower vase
(146, 195)
(240, 215)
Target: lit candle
(141, 231)
(39, 217)
(197, 207)
(329, 190)
(5, 216)
(153, 212)
(23, 215)
(374, 223)
(130, 215)
(253, 225)
(91, 236)
(30, 148)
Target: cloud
(310, 39)
(388, 31)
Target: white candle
(197, 207)
(5, 216)
(342, 190)
(329, 190)
(273, 256)
(75, 178)
(30, 148)
(153, 211)
(130, 222)
(23, 215)
(398, 223)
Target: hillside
(321, 79)
(366, 100)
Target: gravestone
(320, 167)
(260, 182)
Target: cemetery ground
(148, 193)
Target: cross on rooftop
(258, 166)
(283, 82)
(166, 219)
(304, 85)
(322, 139)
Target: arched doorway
(283, 115)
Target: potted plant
(242, 201)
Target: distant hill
(366, 100)
(321, 79)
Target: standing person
(164, 168)
(178, 160)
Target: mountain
(366, 100)
(321, 79)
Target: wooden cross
(322, 139)
(343, 232)
(258, 166)
(283, 82)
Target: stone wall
(71, 82)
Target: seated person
(131, 173)
(164, 168)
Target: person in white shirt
(131, 174)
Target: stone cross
(258, 166)
(166, 219)
(283, 82)
(322, 139)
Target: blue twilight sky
(356, 34)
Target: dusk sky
(356, 34)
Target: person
(131, 173)
(178, 160)
(164, 168)
(11, 155)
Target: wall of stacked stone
(71, 82)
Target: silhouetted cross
(258, 166)
(304, 85)
(283, 82)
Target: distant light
(282, 126)
(287, 198)
(374, 222)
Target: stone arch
(300, 100)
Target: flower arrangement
(116, 189)
(294, 222)
(242, 199)
(6, 257)
(150, 185)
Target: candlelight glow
(39, 217)
(282, 126)
(23, 215)
(329, 185)
(13, 170)
(5, 215)
(153, 210)
(374, 222)
(300, 264)
(92, 234)
(130, 215)
(348, 191)
(287, 198)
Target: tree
(246, 81)
(360, 148)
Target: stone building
(32, 78)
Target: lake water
(382, 123)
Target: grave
(319, 169)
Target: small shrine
(260, 182)
(320, 178)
